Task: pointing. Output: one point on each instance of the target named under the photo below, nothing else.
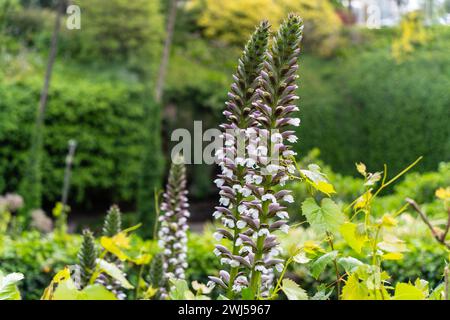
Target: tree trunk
(31, 189)
(166, 52)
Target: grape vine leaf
(354, 289)
(406, 291)
(355, 240)
(327, 217)
(349, 264)
(293, 291)
(113, 271)
(320, 264)
(8, 286)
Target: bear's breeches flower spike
(173, 223)
(250, 209)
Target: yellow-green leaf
(406, 291)
(354, 239)
(354, 289)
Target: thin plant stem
(338, 283)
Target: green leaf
(322, 293)
(113, 271)
(293, 291)
(8, 286)
(328, 217)
(406, 291)
(319, 265)
(180, 290)
(349, 264)
(355, 240)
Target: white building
(378, 13)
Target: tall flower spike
(156, 274)
(112, 226)
(87, 258)
(275, 104)
(113, 222)
(172, 233)
(236, 169)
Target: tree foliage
(232, 20)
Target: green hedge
(106, 117)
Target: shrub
(120, 31)
(105, 117)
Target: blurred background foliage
(373, 95)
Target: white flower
(224, 201)
(219, 182)
(211, 285)
(250, 162)
(227, 172)
(258, 179)
(283, 180)
(288, 198)
(263, 231)
(249, 179)
(234, 263)
(245, 249)
(245, 191)
(217, 214)
(294, 121)
(284, 228)
(238, 242)
(228, 223)
(217, 252)
(269, 196)
(292, 138)
(261, 268)
(218, 236)
(241, 224)
(274, 252)
(242, 208)
(289, 153)
(282, 215)
(262, 150)
(273, 168)
(237, 288)
(279, 267)
(254, 213)
(276, 137)
(225, 261)
(229, 142)
(241, 161)
(237, 187)
(291, 168)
